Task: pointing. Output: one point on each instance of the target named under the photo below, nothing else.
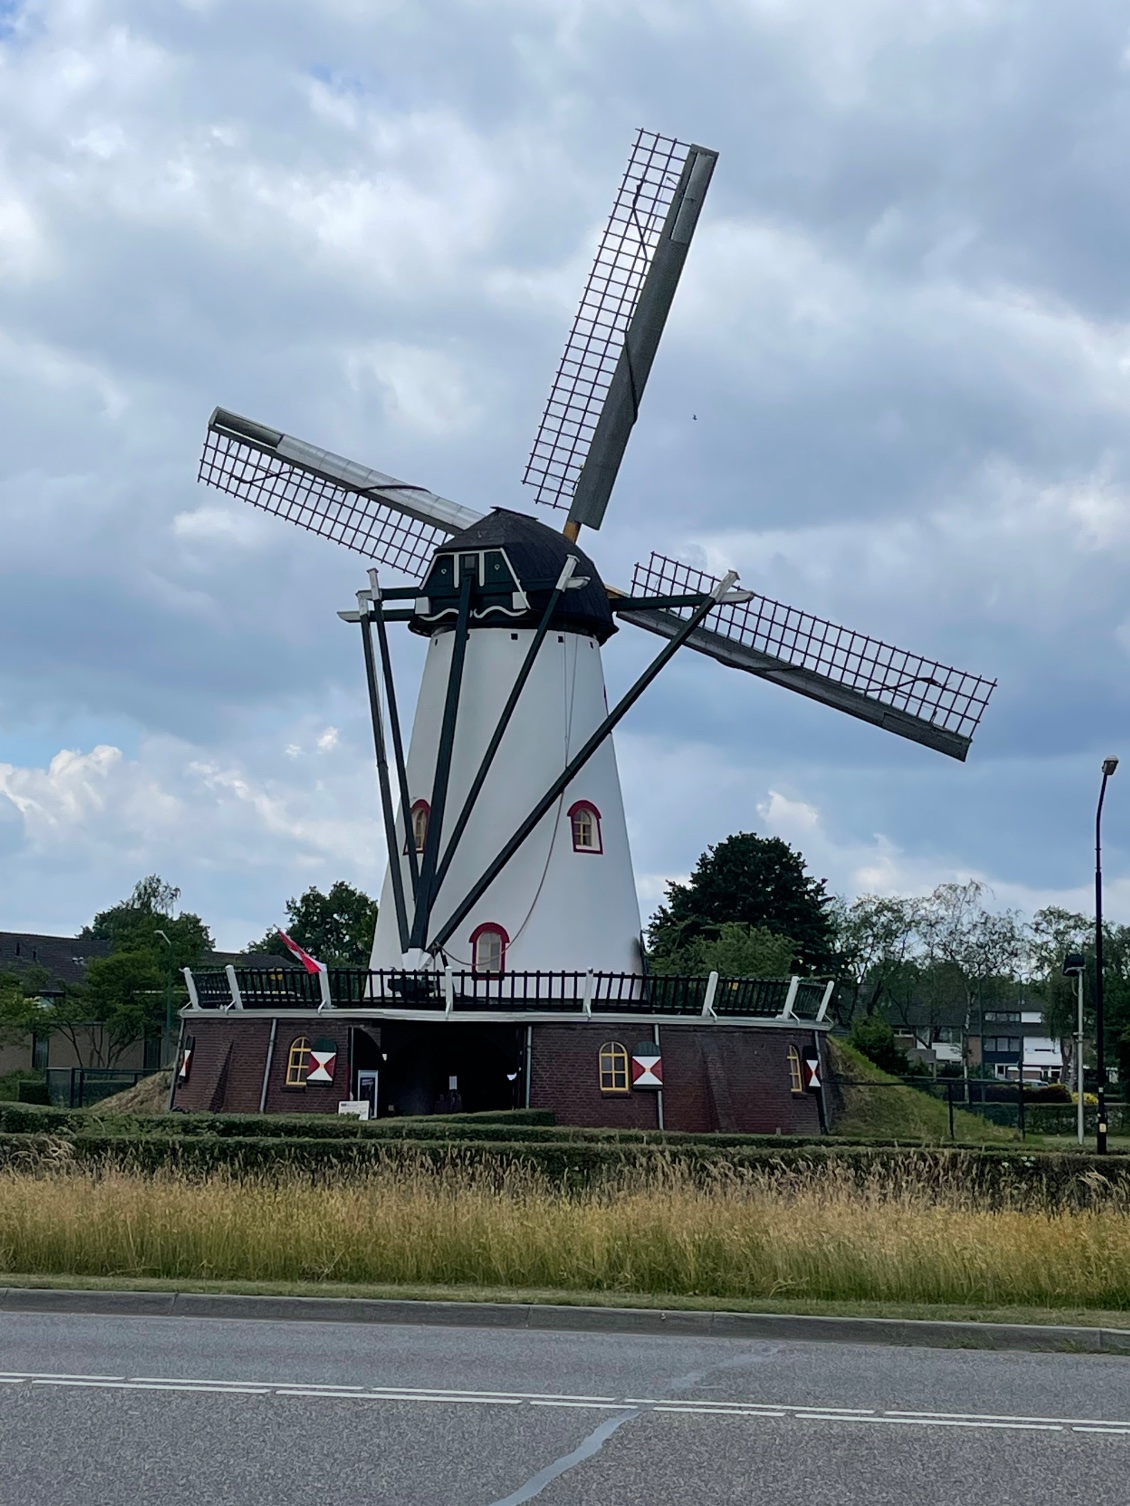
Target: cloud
(903, 336)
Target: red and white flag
(308, 962)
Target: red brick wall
(734, 1078)
(715, 1077)
(226, 1075)
(315, 1099)
(228, 1061)
(564, 1076)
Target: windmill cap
(537, 555)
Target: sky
(894, 391)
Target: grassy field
(804, 1238)
(899, 1112)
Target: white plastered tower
(566, 900)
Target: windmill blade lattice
(365, 510)
(601, 325)
(914, 697)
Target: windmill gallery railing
(450, 992)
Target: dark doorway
(484, 1060)
(366, 1061)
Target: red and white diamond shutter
(647, 1066)
(812, 1074)
(323, 1060)
(186, 1058)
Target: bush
(988, 1178)
(874, 1036)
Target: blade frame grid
(321, 506)
(600, 326)
(936, 693)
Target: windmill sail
(902, 692)
(378, 516)
(596, 393)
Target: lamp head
(1109, 766)
(1073, 964)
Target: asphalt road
(98, 1411)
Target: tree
(754, 881)
(875, 939)
(135, 924)
(738, 951)
(336, 928)
(969, 946)
(875, 1037)
(127, 993)
(1055, 932)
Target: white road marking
(1116, 1427)
(931, 1422)
(591, 1406)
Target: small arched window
(488, 948)
(796, 1078)
(298, 1063)
(418, 824)
(613, 1068)
(584, 819)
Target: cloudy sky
(895, 390)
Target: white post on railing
(708, 997)
(190, 984)
(233, 988)
(324, 990)
(586, 997)
(826, 1000)
(790, 999)
(448, 990)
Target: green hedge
(525, 1126)
(992, 1178)
(29, 1119)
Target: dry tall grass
(744, 1236)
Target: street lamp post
(1074, 966)
(168, 992)
(1109, 766)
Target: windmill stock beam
(807, 683)
(425, 890)
(377, 597)
(387, 810)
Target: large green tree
(129, 991)
(738, 951)
(876, 936)
(753, 881)
(336, 928)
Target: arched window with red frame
(418, 818)
(584, 823)
(488, 948)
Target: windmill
(504, 821)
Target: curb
(535, 1317)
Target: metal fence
(1003, 1104)
(79, 1087)
(466, 992)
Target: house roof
(63, 957)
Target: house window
(1003, 1044)
(613, 1068)
(584, 818)
(488, 949)
(796, 1078)
(418, 817)
(40, 1052)
(298, 1063)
